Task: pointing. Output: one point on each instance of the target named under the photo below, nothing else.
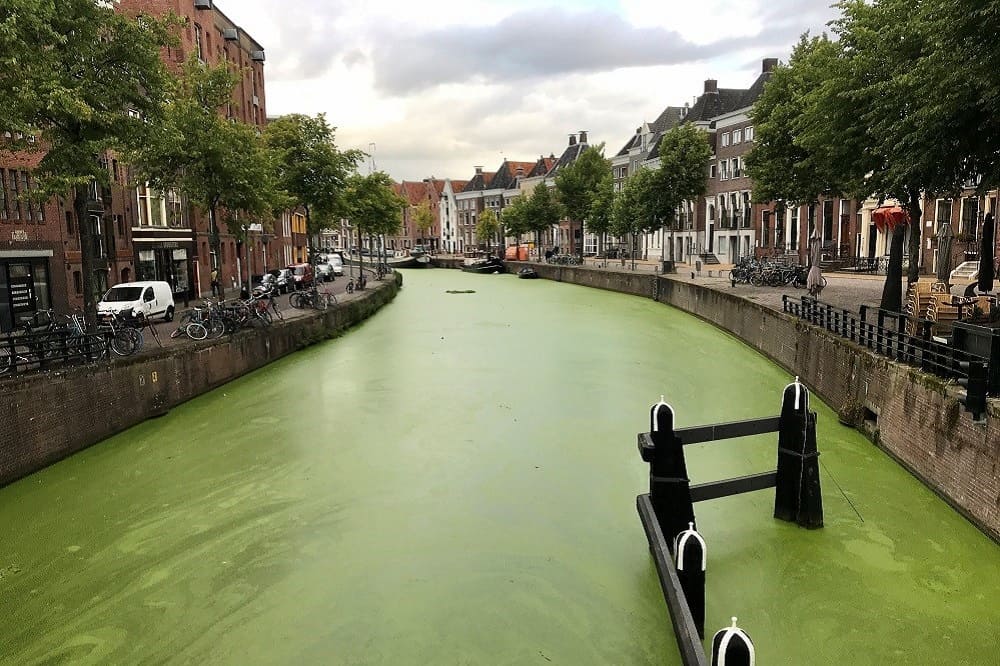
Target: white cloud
(444, 87)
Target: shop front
(24, 286)
(166, 262)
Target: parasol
(889, 217)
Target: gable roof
(671, 117)
(542, 167)
(478, 182)
(570, 155)
(506, 175)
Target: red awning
(890, 217)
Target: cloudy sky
(441, 87)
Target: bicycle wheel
(196, 331)
(296, 300)
(216, 328)
(123, 343)
(276, 312)
(322, 302)
(263, 316)
(350, 287)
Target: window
(737, 136)
(970, 216)
(748, 134)
(120, 225)
(69, 223)
(711, 171)
(747, 208)
(78, 282)
(724, 170)
(725, 139)
(175, 209)
(943, 210)
(151, 207)
(793, 231)
(827, 221)
(15, 205)
(198, 42)
(765, 228)
(737, 172)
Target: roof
(542, 167)
(506, 175)
(569, 156)
(478, 182)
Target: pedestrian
(215, 282)
(622, 254)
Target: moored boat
(490, 265)
(527, 274)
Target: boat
(527, 274)
(489, 266)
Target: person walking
(215, 282)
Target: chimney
(711, 86)
(768, 66)
(479, 171)
(583, 137)
(572, 139)
(684, 111)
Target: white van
(338, 264)
(154, 299)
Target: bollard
(732, 647)
(669, 486)
(797, 495)
(691, 558)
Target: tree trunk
(916, 224)
(892, 292)
(85, 228)
(216, 243)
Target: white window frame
(725, 139)
(748, 134)
(737, 136)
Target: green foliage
(599, 219)
(633, 211)
(578, 182)
(373, 207)
(684, 156)
(309, 169)
(487, 227)
(544, 209)
(423, 218)
(517, 216)
(82, 80)
(782, 169)
(215, 162)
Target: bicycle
(312, 298)
(356, 284)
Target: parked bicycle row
(768, 274)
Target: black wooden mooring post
(669, 485)
(691, 558)
(797, 496)
(732, 647)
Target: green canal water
(454, 482)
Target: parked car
(324, 271)
(302, 275)
(151, 299)
(337, 264)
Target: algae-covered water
(454, 482)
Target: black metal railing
(885, 333)
(21, 352)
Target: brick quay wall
(47, 417)
(915, 417)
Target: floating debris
(461, 291)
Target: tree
(599, 219)
(309, 169)
(516, 217)
(684, 156)
(423, 219)
(577, 184)
(221, 165)
(867, 120)
(81, 80)
(634, 209)
(373, 206)
(544, 211)
(487, 227)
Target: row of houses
(723, 225)
(141, 233)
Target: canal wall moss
(913, 416)
(47, 417)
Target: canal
(454, 482)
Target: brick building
(415, 193)
(172, 237)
